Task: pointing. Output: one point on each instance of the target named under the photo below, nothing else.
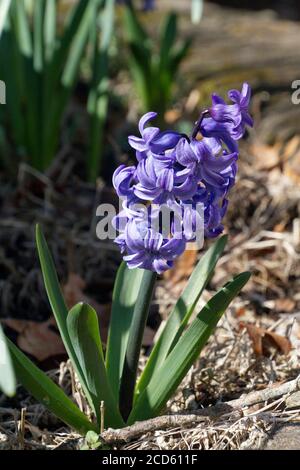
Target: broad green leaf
(126, 289)
(58, 305)
(134, 343)
(182, 312)
(47, 392)
(167, 378)
(83, 329)
(7, 375)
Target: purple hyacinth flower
(147, 249)
(142, 144)
(213, 215)
(234, 116)
(221, 132)
(242, 99)
(164, 141)
(185, 178)
(123, 179)
(148, 5)
(162, 179)
(203, 160)
(152, 139)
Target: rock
(293, 401)
(284, 437)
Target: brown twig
(21, 428)
(102, 417)
(129, 433)
(269, 393)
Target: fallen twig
(129, 433)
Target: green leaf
(9, 55)
(50, 29)
(29, 82)
(134, 343)
(168, 38)
(7, 375)
(71, 27)
(134, 30)
(47, 392)
(58, 306)
(64, 70)
(83, 329)
(181, 312)
(22, 27)
(38, 36)
(99, 92)
(178, 54)
(126, 289)
(167, 378)
(4, 7)
(142, 72)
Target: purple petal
(137, 143)
(153, 240)
(185, 154)
(235, 96)
(226, 113)
(245, 95)
(149, 133)
(216, 99)
(213, 145)
(145, 119)
(172, 248)
(160, 265)
(222, 162)
(165, 140)
(165, 180)
(134, 261)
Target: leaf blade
(47, 392)
(127, 285)
(58, 305)
(7, 375)
(182, 311)
(188, 348)
(4, 7)
(83, 327)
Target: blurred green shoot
(42, 61)
(153, 65)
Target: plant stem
(136, 333)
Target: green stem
(134, 344)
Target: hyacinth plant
(153, 63)
(171, 169)
(43, 60)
